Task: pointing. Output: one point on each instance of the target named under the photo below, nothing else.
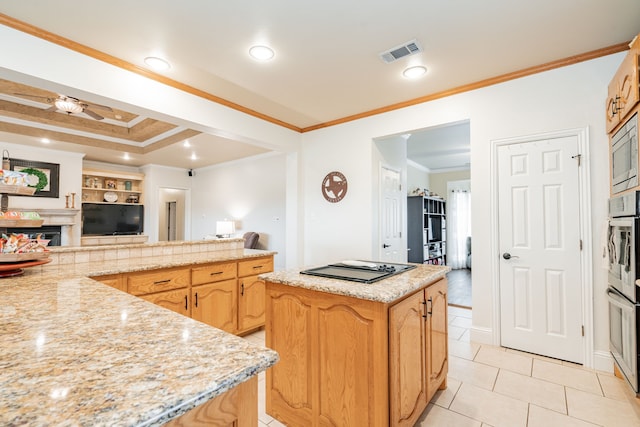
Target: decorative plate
(110, 197)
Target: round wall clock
(334, 187)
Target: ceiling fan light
(68, 106)
(261, 53)
(156, 63)
(414, 72)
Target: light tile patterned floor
(494, 387)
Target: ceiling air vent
(406, 49)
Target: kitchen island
(77, 352)
(356, 354)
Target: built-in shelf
(426, 226)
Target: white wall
(417, 177)
(439, 181)
(568, 98)
(252, 192)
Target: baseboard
(481, 335)
(602, 361)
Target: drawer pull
(162, 282)
(255, 267)
(242, 289)
(215, 273)
(186, 303)
(196, 299)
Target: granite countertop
(386, 290)
(77, 352)
(100, 267)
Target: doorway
(171, 215)
(439, 165)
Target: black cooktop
(359, 271)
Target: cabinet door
(290, 391)
(215, 304)
(613, 97)
(437, 346)
(628, 84)
(177, 300)
(250, 303)
(407, 360)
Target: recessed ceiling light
(126, 156)
(414, 72)
(186, 143)
(156, 63)
(261, 53)
(45, 140)
(193, 156)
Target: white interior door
(539, 226)
(391, 247)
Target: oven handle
(619, 301)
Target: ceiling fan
(70, 105)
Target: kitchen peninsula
(356, 354)
(77, 352)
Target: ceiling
(326, 69)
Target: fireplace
(61, 224)
(49, 232)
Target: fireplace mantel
(66, 218)
(55, 216)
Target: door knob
(384, 245)
(507, 255)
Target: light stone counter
(77, 352)
(386, 291)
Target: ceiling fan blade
(92, 114)
(52, 108)
(102, 107)
(33, 96)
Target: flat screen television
(100, 219)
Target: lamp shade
(225, 228)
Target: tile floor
(493, 387)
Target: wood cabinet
(216, 304)
(227, 295)
(348, 361)
(623, 93)
(418, 361)
(124, 187)
(426, 230)
(437, 337)
(251, 293)
(165, 279)
(175, 300)
(237, 407)
(117, 281)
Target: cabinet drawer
(158, 280)
(255, 266)
(213, 273)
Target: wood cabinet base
(349, 362)
(237, 407)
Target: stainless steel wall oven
(623, 293)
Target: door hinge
(579, 157)
(582, 330)
(580, 244)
